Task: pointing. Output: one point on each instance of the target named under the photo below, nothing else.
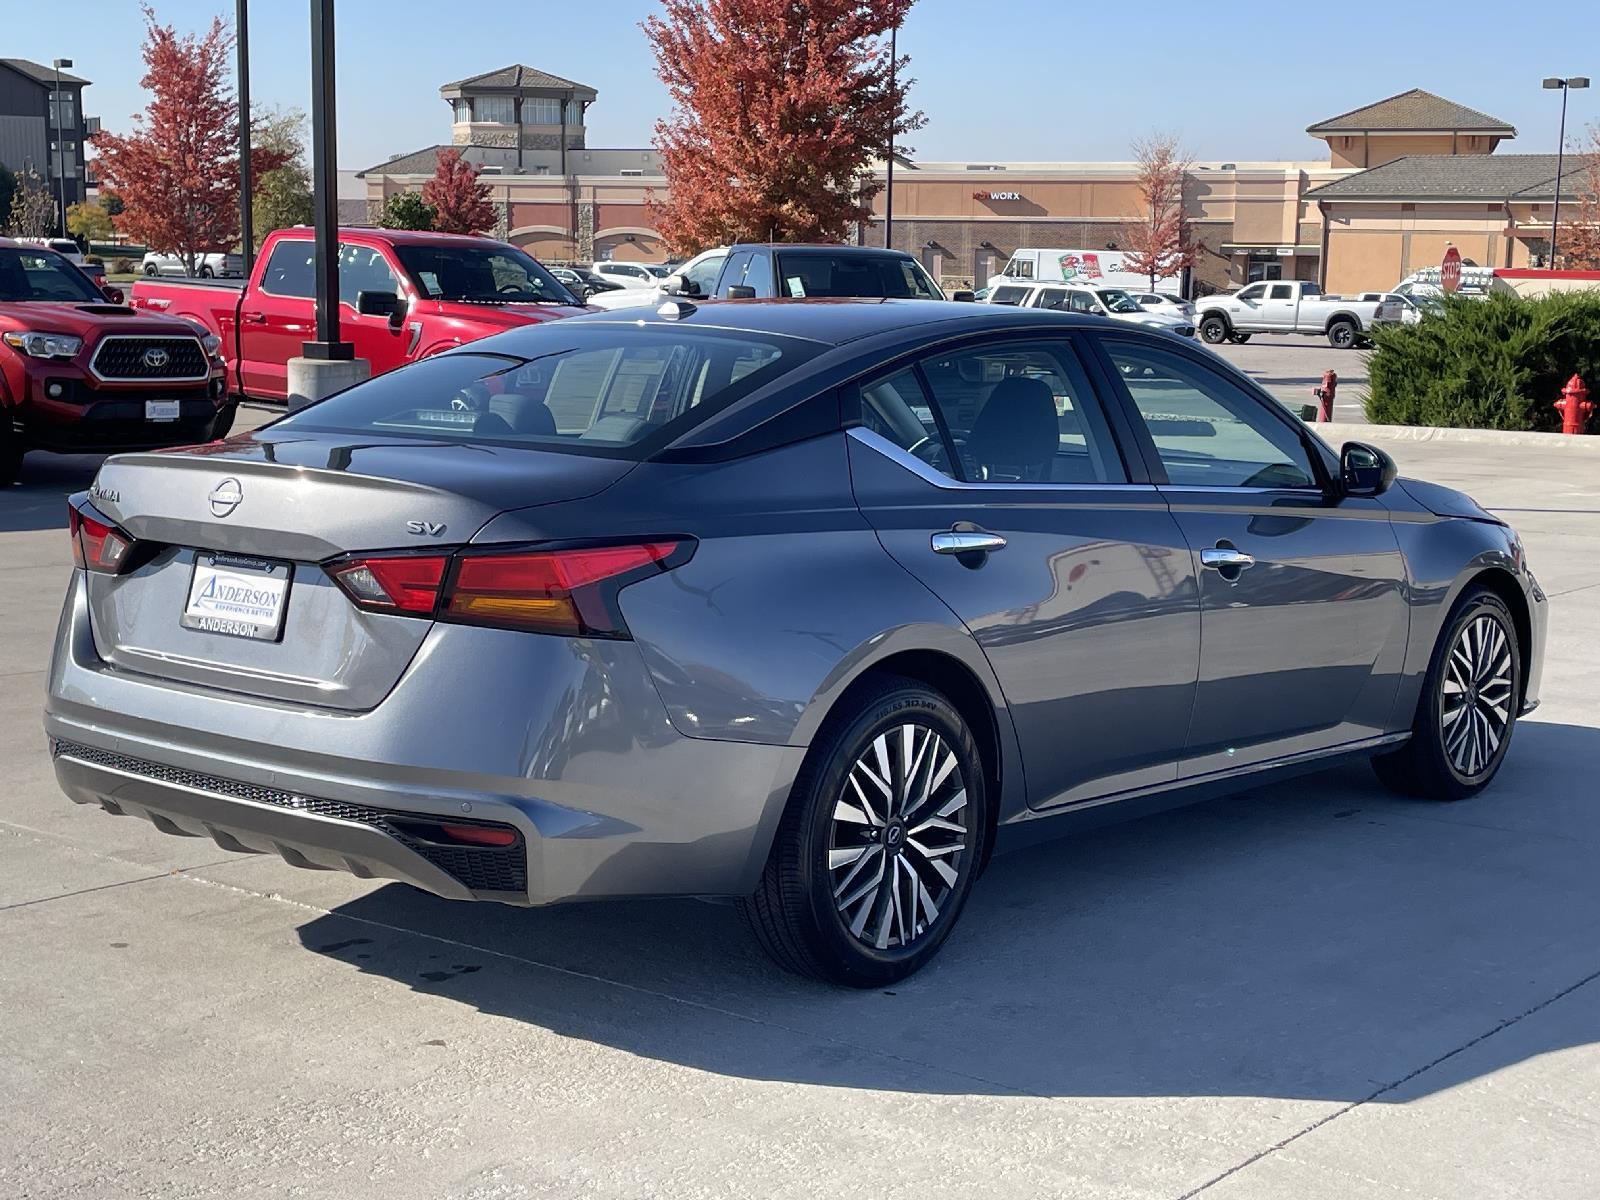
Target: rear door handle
(1222, 557)
(967, 542)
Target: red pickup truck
(82, 372)
(403, 296)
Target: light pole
(888, 191)
(1565, 85)
(247, 236)
(61, 145)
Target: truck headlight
(212, 343)
(44, 345)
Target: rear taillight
(97, 546)
(567, 591)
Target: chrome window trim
(899, 455)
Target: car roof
(831, 322)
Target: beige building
(1414, 122)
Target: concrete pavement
(1289, 367)
(1311, 990)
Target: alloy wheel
(1477, 692)
(900, 837)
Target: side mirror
(964, 297)
(113, 294)
(1365, 470)
(676, 285)
(738, 291)
(377, 304)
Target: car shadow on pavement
(39, 499)
(1317, 939)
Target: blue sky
(1003, 79)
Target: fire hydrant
(1324, 395)
(1574, 406)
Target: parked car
(207, 266)
(1285, 307)
(584, 284)
(97, 275)
(1394, 308)
(403, 296)
(812, 605)
(1114, 303)
(695, 279)
(628, 274)
(66, 247)
(812, 272)
(80, 373)
(1160, 302)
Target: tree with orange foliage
(1579, 246)
(177, 174)
(1157, 243)
(780, 106)
(460, 203)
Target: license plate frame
(254, 610)
(163, 410)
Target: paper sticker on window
(796, 288)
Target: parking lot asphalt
(1312, 990)
(1290, 366)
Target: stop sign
(1450, 270)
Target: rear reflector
(97, 546)
(570, 592)
(480, 835)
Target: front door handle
(967, 542)
(1222, 558)
(254, 318)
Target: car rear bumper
(563, 741)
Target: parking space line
(1389, 1087)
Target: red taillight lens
(481, 835)
(551, 591)
(406, 583)
(97, 546)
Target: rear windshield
(609, 391)
(853, 275)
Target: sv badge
(425, 528)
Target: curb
(1354, 432)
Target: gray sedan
(814, 605)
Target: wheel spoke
(900, 826)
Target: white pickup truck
(1284, 306)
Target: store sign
(997, 195)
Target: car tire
(822, 913)
(1213, 330)
(222, 423)
(11, 452)
(1238, 339)
(151, 269)
(207, 273)
(1456, 749)
(1343, 335)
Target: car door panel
(1302, 649)
(1088, 615)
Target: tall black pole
(324, 187)
(1561, 145)
(247, 235)
(60, 155)
(888, 191)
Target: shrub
(125, 266)
(93, 260)
(1498, 363)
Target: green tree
(282, 196)
(89, 221)
(406, 210)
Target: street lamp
(1565, 85)
(61, 145)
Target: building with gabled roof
(1408, 123)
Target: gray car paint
(662, 765)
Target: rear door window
(599, 391)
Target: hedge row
(1498, 363)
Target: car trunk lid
(299, 499)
